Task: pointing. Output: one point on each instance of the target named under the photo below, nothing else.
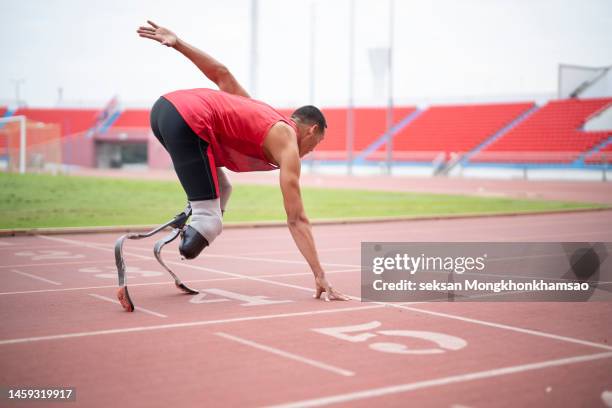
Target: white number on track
(43, 254)
(226, 295)
(443, 341)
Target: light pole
(390, 91)
(254, 43)
(350, 127)
(17, 83)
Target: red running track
(255, 337)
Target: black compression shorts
(193, 162)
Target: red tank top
(234, 126)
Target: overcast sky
(444, 49)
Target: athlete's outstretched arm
(213, 69)
(288, 159)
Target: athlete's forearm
(209, 66)
(302, 235)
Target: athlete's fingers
(149, 29)
(339, 296)
(153, 37)
(317, 295)
(152, 23)
(145, 33)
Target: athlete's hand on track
(323, 285)
(157, 33)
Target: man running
(204, 130)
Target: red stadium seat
(551, 135)
(450, 129)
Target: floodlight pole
(254, 42)
(17, 83)
(390, 91)
(350, 128)
(312, 53)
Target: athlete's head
(311, 126)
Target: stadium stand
(603, 155)
(551, 135)
(71, 120)
(370, 124)
(490, 133)
(449, 129)
(133, 118)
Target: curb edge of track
(264, 224)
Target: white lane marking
(5, 244)
(52, 264)
(142, 309)
(478, 375)
(272, 260)
(29, 275)
(496, 325)
(287, 252)
(30, 247)
(569, 218)
(105, 247)
(339, 249)
(288, 355)
(506, 327)
(23, 292)
(515, 238)
(182, 325)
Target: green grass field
(37, 200)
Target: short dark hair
(310, 115)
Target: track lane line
(477, 375)
(181, 325)
(261, 253)
(506, 327)
(482, 322)
(111, 248)
(139, 308)
(23, 292)
(29, 275)
(51, 264)
(286, 354)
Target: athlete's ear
(313, 129)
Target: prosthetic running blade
(177, 223)
(157, 251)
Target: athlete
(204, 130)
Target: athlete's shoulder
(280, 137)
(283, 130)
